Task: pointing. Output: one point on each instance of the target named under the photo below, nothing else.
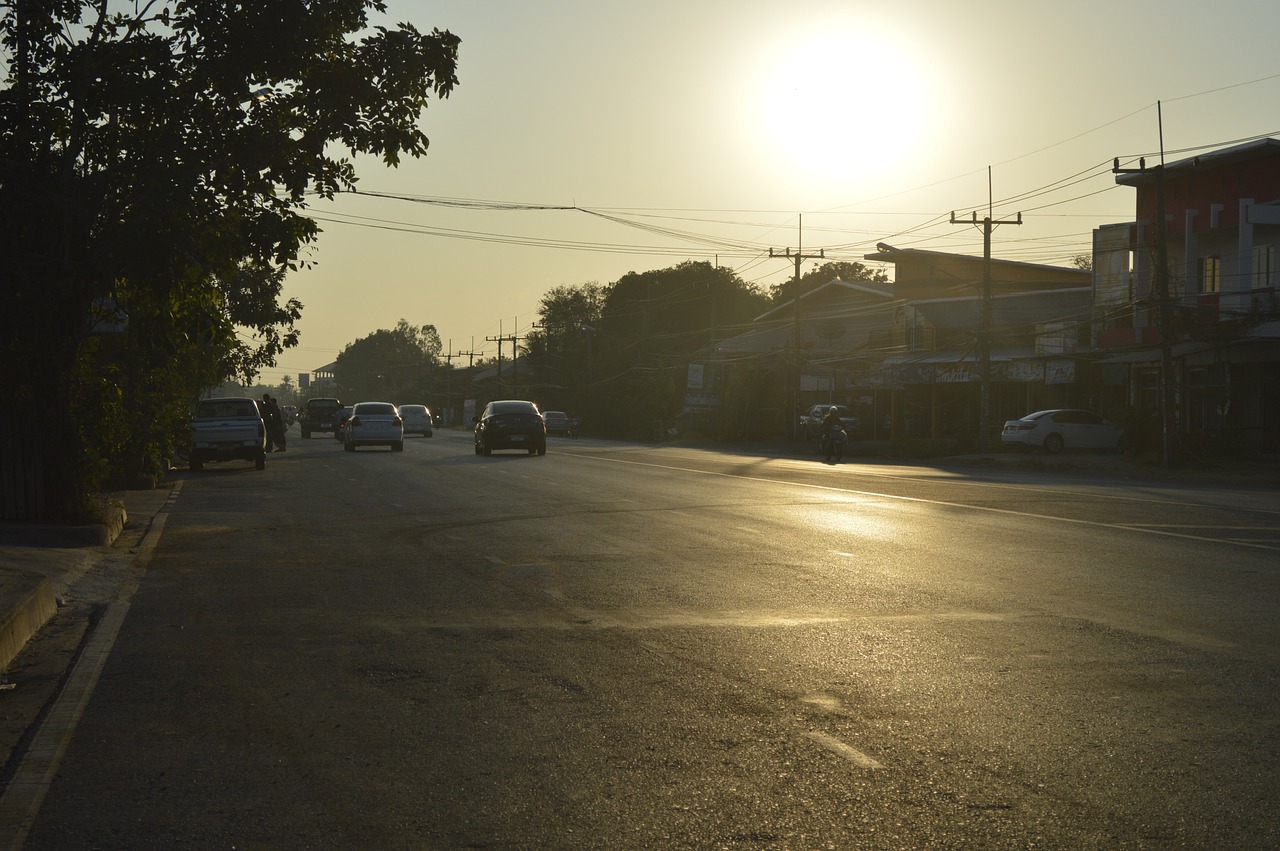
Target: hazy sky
(713, 129)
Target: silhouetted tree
(158, 159)
(825, 273)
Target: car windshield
(375, 408)
(413, 409)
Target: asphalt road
(622, 646)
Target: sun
(842, 103)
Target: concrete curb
(34, 603)
(29, 599)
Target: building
(1196, 336)
(928, 365)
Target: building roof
(834, 286)
(1074, 304)
(1202, 162)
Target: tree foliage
(652, 325)
(161, 157)
(825, 273)
(389, 365)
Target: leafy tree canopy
(825, 273)
(159, 157)
(681, 308)
(388, 365)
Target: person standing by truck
(274, 422)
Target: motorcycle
(833, 443)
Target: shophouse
(1186, 315)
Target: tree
(825, 273)
(560, 349)
(652, 325)
(159, 159)
(389, 365)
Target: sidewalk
(39, 562)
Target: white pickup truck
(225, 430)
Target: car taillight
(1020, 426)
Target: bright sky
(717, 129)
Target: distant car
(511, 424)
(373, 424)
(811, 420)
(417, 419)
(1062, 428)
(557, 422)
(318, 415)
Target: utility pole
(798, 258)
(1160, 289)
(984, 321)
(512, 339)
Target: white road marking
(841, 749)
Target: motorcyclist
(831, 423)
(831, 419)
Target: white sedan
(374, 424)
(1062, 428)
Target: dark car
(318, 415)
(511, 424)
(811, 420)
(557, 422)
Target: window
(1263, 261)
(1210, 274)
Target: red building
(1203, 327)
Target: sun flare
(843, 103)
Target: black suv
(318, 415)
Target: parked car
(557, 422)
(227, 429)
(1062, 428)
(511, 424)
(417, 419)
(373, 424)
(811, 420)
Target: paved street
(618, 646)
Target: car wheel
(1053, 444)
(533, 451)
(397, 447)
(542, 450)
(260, 463)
